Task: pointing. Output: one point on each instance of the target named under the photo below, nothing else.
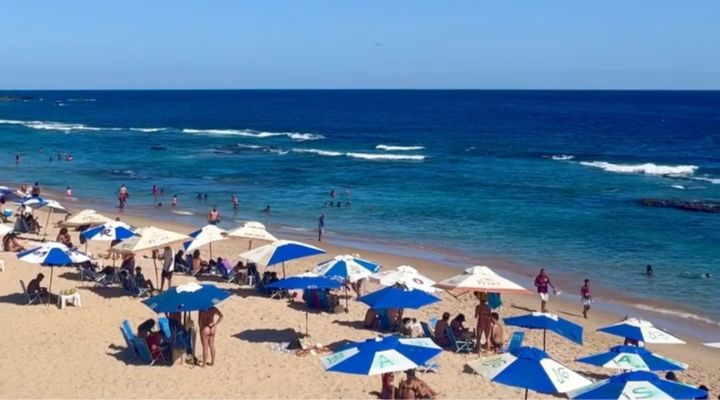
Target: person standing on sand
(483, 313)
(586, 297)
(321, 227)
(542, 281)
(208, 330)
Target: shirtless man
(497, 333)
(208, 328)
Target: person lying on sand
(413, 387)
(10, 243)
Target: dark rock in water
(708, 206)
(158, 148)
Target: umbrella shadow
(571, 314)
(70, 275)
(110, 292)
(244, 292)
(528, 309)
(468, 370)
(596, 375)
(267, 335)
(334, 346)
(359, 325)
(126, 356)
(19, 299)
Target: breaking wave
(362, 156)
(55, 126)
(647, 168)
(388, 147)
(562, 157)
(254, 134)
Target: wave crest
(325, 153)
(254, 134)
(647, 168)
(562, 157)
(386, 157)
(388, 147)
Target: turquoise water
(544, 178)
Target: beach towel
(494, 300)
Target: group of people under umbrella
(524, 367)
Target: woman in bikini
(208, 329)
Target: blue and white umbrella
(398, 297)
(638, 385)
(633, 358)
(531, 369)
(279, 252)
(109, 231)
(304, 282)
(186, 298)
(548, 322)
(347, 267)
(52, 254)
(640, 330)
(39, 202)
(206, 235)
(381, 355)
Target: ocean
(543, 178)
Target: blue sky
(519, 44)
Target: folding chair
(515, 342)
(459, 346)
(144, 352)
(32, 297)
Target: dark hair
(460, 317)
(495, 316)
(146, 327)
(587, 280)
(446, 315)
(671, 376)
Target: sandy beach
(79, 352)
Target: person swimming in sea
(649, 270)
(266, 210)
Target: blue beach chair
(515, 342)
(144, 353)
(459, 346)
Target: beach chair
(459, 346)
(515, 341)
(32, 297)
(426, 330)
(130, 286)
(430, 365)
(433, 322)
(128, 335)
(144, 353)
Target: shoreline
(442, 262)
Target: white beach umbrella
(52, 254)
(641, 330)
(713, 344)
(481, 278)
(149, 238)
(84, 218)
(407, 276)
(5, 229)
(252, 230)
(205, 236)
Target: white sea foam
(80, 99)
(562, 157)
(56, 126)
(181, 212)
(680, 187)
(254, 134)
(647, 168)
(714, 181)
(319, 152)
(386, 157)
(147, 130)
(677, 313)
(388, 147)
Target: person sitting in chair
(458, 329)
(153, 339)
(180, 263)
(141, 282)
(64, 238)
(34, 287)
(441, 330)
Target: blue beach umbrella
(641, 330)
(279, 252)
(347, 268)
(52, 254)
(548, 322)
(306, 282)
(381, 355)
(109, 231)
(39, 202)
(632, 358)
(398, 297)
(638, 385)
(186, 298)
(531, 369)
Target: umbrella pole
(52, 269)
(347, 301)
(306, 318)
(283, 270)
(526, 393)
(47, 221)
(211, 251)
(544, 335)
(157, 280)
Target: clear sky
(572, 44)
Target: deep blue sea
(547, 178)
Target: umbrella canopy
(10, 193)
(381, 355)
(638, 329)
(398, 297)
(347, 267)
(252, 230)
(188, 297)
(39, 202)
(306, 282)
(109, 231)
(84, 218)
(280, 251)
(531, 369)
(149, 238)
(405, 275)
(205, 236)
(482, 279)
(548, 322)
(632, 358)
(52, 254)
(714, 344)
(637, 385)
(5, 229)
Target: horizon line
(364, 89)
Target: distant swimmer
(154, 190)
(199, 196)
(205, 196)
(649, 270)
(174, 201)
(332, 194)
(159, 204)
(214, 216)
(235, 202)
(17, 158)
(69, 157)
(123, 196)
(266, 210)
(68, 192)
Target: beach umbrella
(304, 282)
(147, 239)
(186, 298)
(252, 230)
(87, 217)
(483, 279)
(205, 236)
(714, 344)
(638, 385)
(108, 232)
(531, 369)
(10, 193)
(5, 229)
(641, 330)
(398, 297)
(39, 202)
(279, 252)
(52, 254)
(407, 276)
(632, 358)
(381, 355)
(548, 322)
(348, 268)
